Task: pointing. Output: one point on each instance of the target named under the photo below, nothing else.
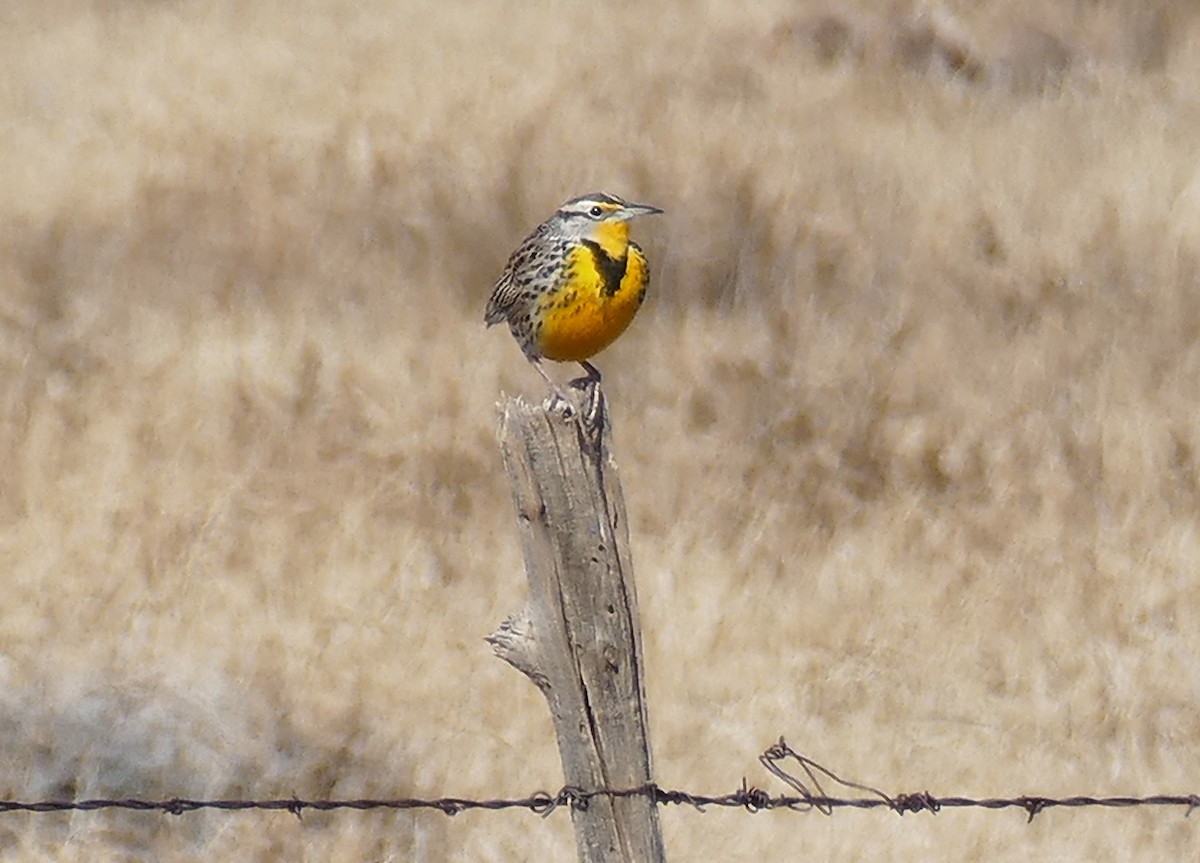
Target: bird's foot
(592, 408)
(559, 400)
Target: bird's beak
(632, 211)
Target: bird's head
(602, 218)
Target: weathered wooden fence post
(578, 638)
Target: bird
(574, 284)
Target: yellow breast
(594, 304)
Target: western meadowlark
(574, 284)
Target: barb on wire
(809, 795)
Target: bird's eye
(596, 212)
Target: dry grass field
(909, 428)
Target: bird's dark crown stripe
(598, 197)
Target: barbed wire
(809, 796)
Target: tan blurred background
(909, 427)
